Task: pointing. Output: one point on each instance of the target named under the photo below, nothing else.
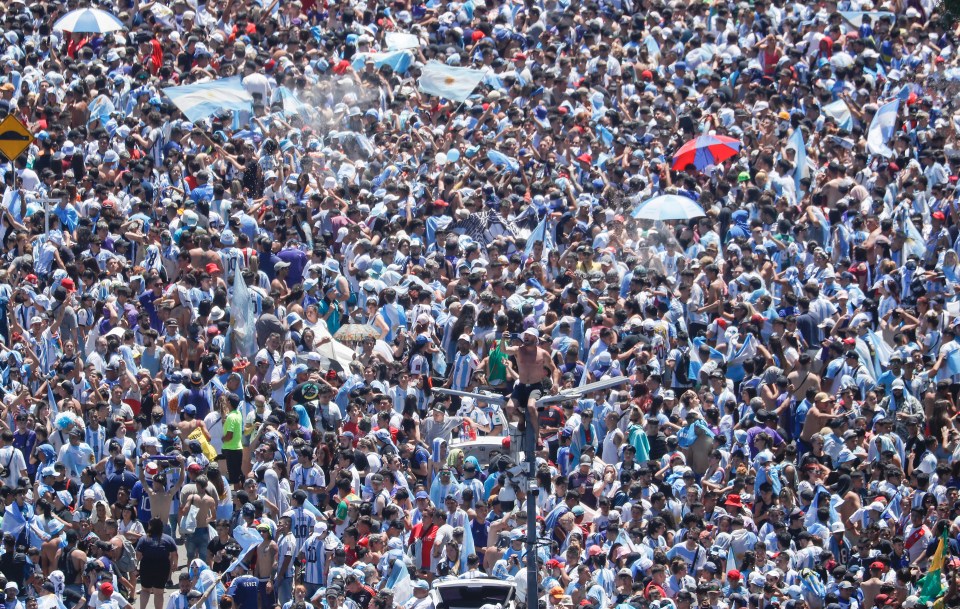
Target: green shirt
(234, 423)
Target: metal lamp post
(530, 450)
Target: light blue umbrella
(88, 21)
(668, 207)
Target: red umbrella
(706, 150)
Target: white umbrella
(841, 60)
(89, 21)
(668, 207)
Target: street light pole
(530, 448)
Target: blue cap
(421, 495)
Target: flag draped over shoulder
(931, 585)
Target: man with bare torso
(803, 378)
(536, 374)
(266, 568)
(206, 513)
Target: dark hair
(155, 527)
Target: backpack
(128, 557)
(682, 368)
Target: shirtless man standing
(535, 370)
(190, 423)
(803, 378)
(161, 499)
(267, 557)
(818, 416)
(207, 512)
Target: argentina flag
(449, 82)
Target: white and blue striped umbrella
(200, 100)
(89, 21)
(668, 207)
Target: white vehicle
(474, 593)
(484, 448)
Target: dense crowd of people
(299, 344)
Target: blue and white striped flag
(449, 82)
(746, 351)
(400, 61)
(881, 129)
(801, 167)
(201, 100)
(542, 233)
(52, 399)
(839, 112)
(100, 110)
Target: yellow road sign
(14, 137)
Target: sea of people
(287, 285)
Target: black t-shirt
(231, 550)
(156, 549)
(13, 565)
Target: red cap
(938, 215)
(646, 75)
(939, 59)
(505, 443)
(269, 65)
(877, 565)
(441, 203)
(893, 166)
(476, 35)
(31, 278)
(212, 331)
(69, 285)
(757, 318)
(212, 268)
(553, 563)
(733, 574)
(594, 550)
(849, 341)
(194, 468)
(585, 158)
(520, 57)
(106, 588)
(341, 67)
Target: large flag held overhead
(398, 41)
(881, 129)
(242, 317)
(931, 585)
(855, 18)
(840, 112)
(541, 233)
(292, 106)
(801, 167)
(201, 100)
(449, 82)
(398, 60)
